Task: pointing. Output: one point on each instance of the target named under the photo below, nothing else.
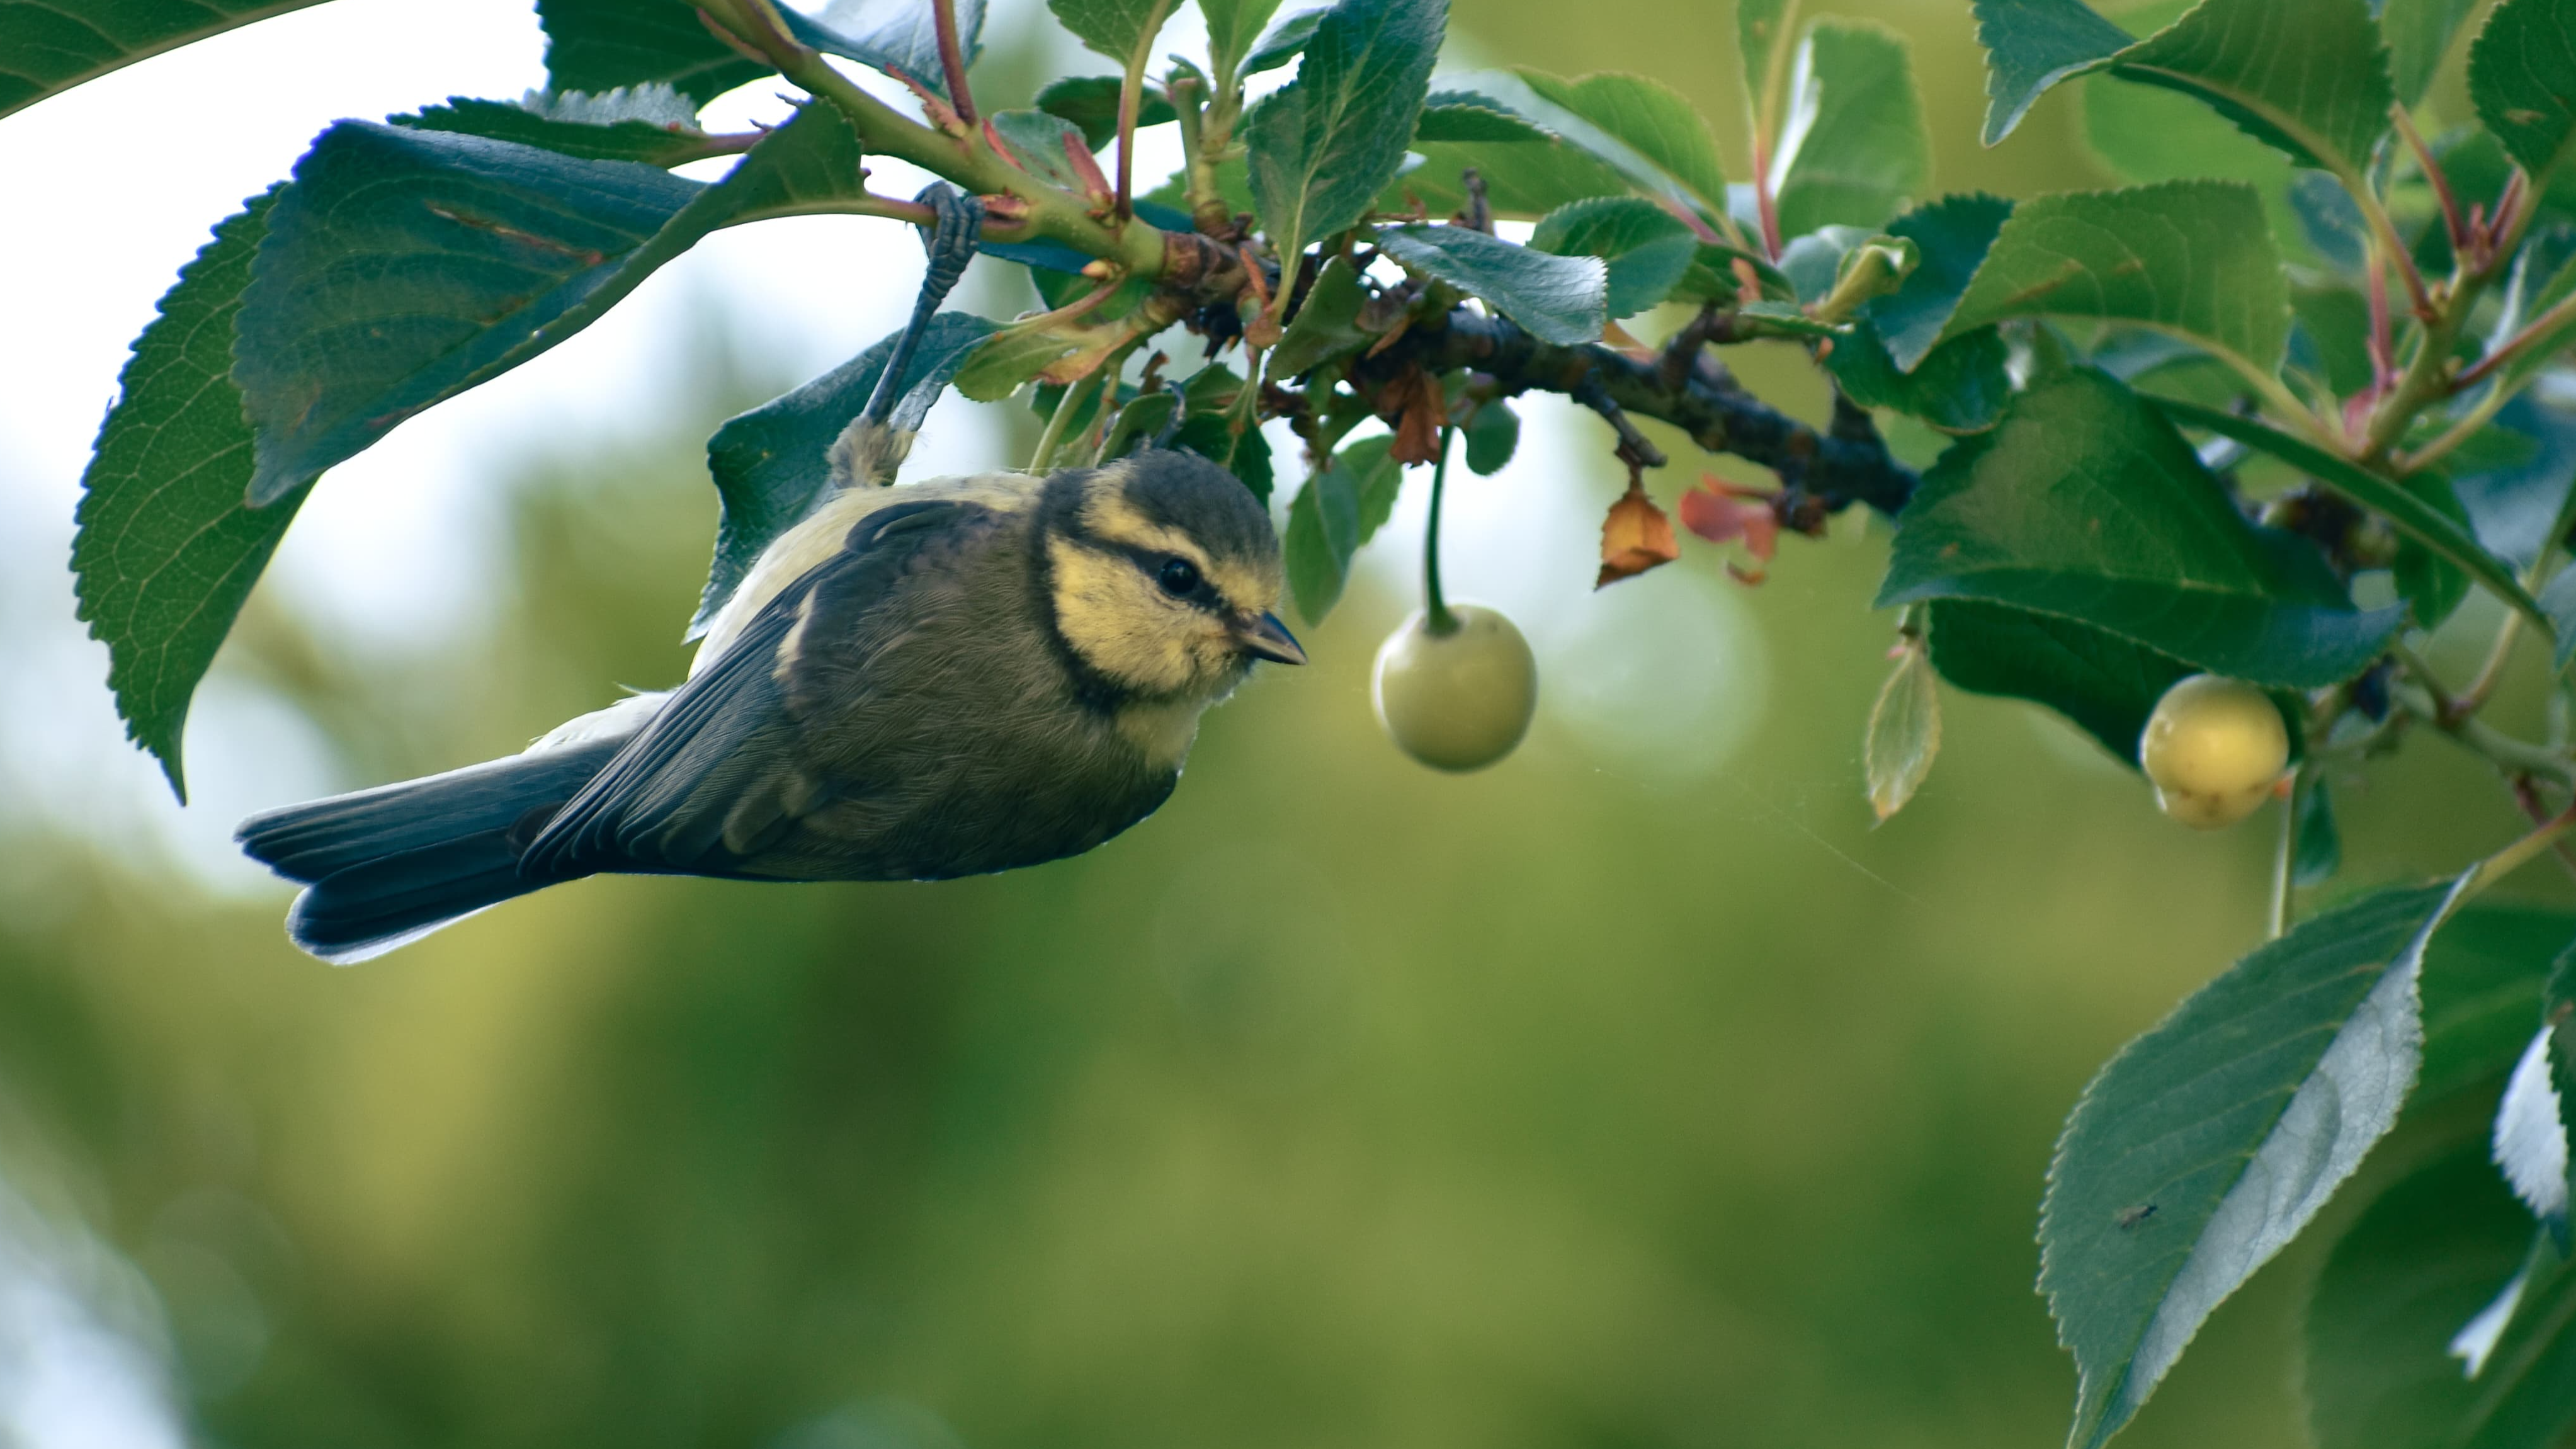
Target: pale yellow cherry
(2214, 748)
(1458, 698)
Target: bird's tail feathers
(384, 867)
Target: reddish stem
(952, 59)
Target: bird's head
(1163, 574)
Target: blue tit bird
(940, 679)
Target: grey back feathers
(948, 678)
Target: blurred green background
(1596, 1100)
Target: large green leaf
(2481, 993)
(1650, 123)
(2192, 258)
(2150, 133)
(2208, 1143)
(1327, 322)
(1090, 102)
(50, 46)
(407, 266)
(2418, 1263)
(1951, 237)
(2307, 76)
(1324, 146)
(1961, 387)
(601, 45)
(2522, 77)
(2419, 34)
(2105, 684)
(2417, 519)
(1044, 145)
(168, 549)
(1765, 37)
(2086, 504)
(2032, 45)
(1524, 179)
(1557, 299)
(1861, 147)
(655, 125)
(1336, 512)
(770, 465)
(1645, 247)
(1115, 28)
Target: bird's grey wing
(652, 807)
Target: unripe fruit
(2214, 748)
(1460, 699)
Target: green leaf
(406, 266)
(2558, 598)
(1137, 423)
(1466, 116)
(2032, 45)
(167, 549)
(1234, 30)
(1284, 43)
(1327, 322)
(2443, 532)
(2192, 258)
(2419, 1262)
(653, 125)
(49, 46)
(997, 367)
(1765, 35)
(2431, 584)
(2481, 989)
(1652, 121)
(1524, 180)
(2318, 852)
(1325, 145)
(2327, 110)
(1090, 102)
(1114, 28)
(906, 45)
(2086, 504)
(2208, 1143)
(2105, 684)
(1556, 299)
(1336, 512)
(1960, 388)
(1038, 141)
(770, 465)
(1951, 237)
(2552, 334)
(1493, 435)
(2149, 133)
(2419, 34)
(2522, 78)
(600, 45)
(1645, 247)
(1860, 147)
(1904, 732)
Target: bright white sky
(134, 168)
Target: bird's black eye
(1179, 578)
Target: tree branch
(1847, 464)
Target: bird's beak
(1267, 638)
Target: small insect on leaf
(1635, 537)
(1904, 730)
(2132, 1218)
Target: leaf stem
(952, 59)
(2513, 857)
(2433, 174)
(967, 160)
(1043, 456)
(1435, 608)
(2284, 859)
